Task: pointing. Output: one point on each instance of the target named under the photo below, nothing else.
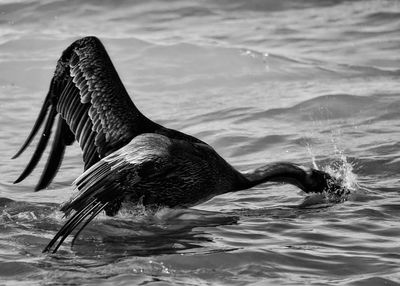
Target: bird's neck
(281, 172)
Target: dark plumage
(127, 156)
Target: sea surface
(315, 82)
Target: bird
(128, 157)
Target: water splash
(312, 156)
(341, 169)
(135, 210)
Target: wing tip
(41, 146)
(19, 179)
(17, 154)
(80, 218)
(37, 188)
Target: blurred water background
(307, 81)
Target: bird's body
(127, 156)
(155, 169)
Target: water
(312, 82)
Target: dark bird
(128, 157)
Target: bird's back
(187, 174)
(173, 172)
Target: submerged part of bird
(342, 171)
(128, 157)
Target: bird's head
(317, 181)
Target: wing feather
(85, 82)
(81, 125)
(92, 157)
(39, 121)
(66, 93)
(79, 113)
(73, 108)
(107, 181)
(86, 131)
(40, 146)
(88, 151)
(62, 138)
(92, 209)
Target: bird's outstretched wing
(107, 182)
(90, 104)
